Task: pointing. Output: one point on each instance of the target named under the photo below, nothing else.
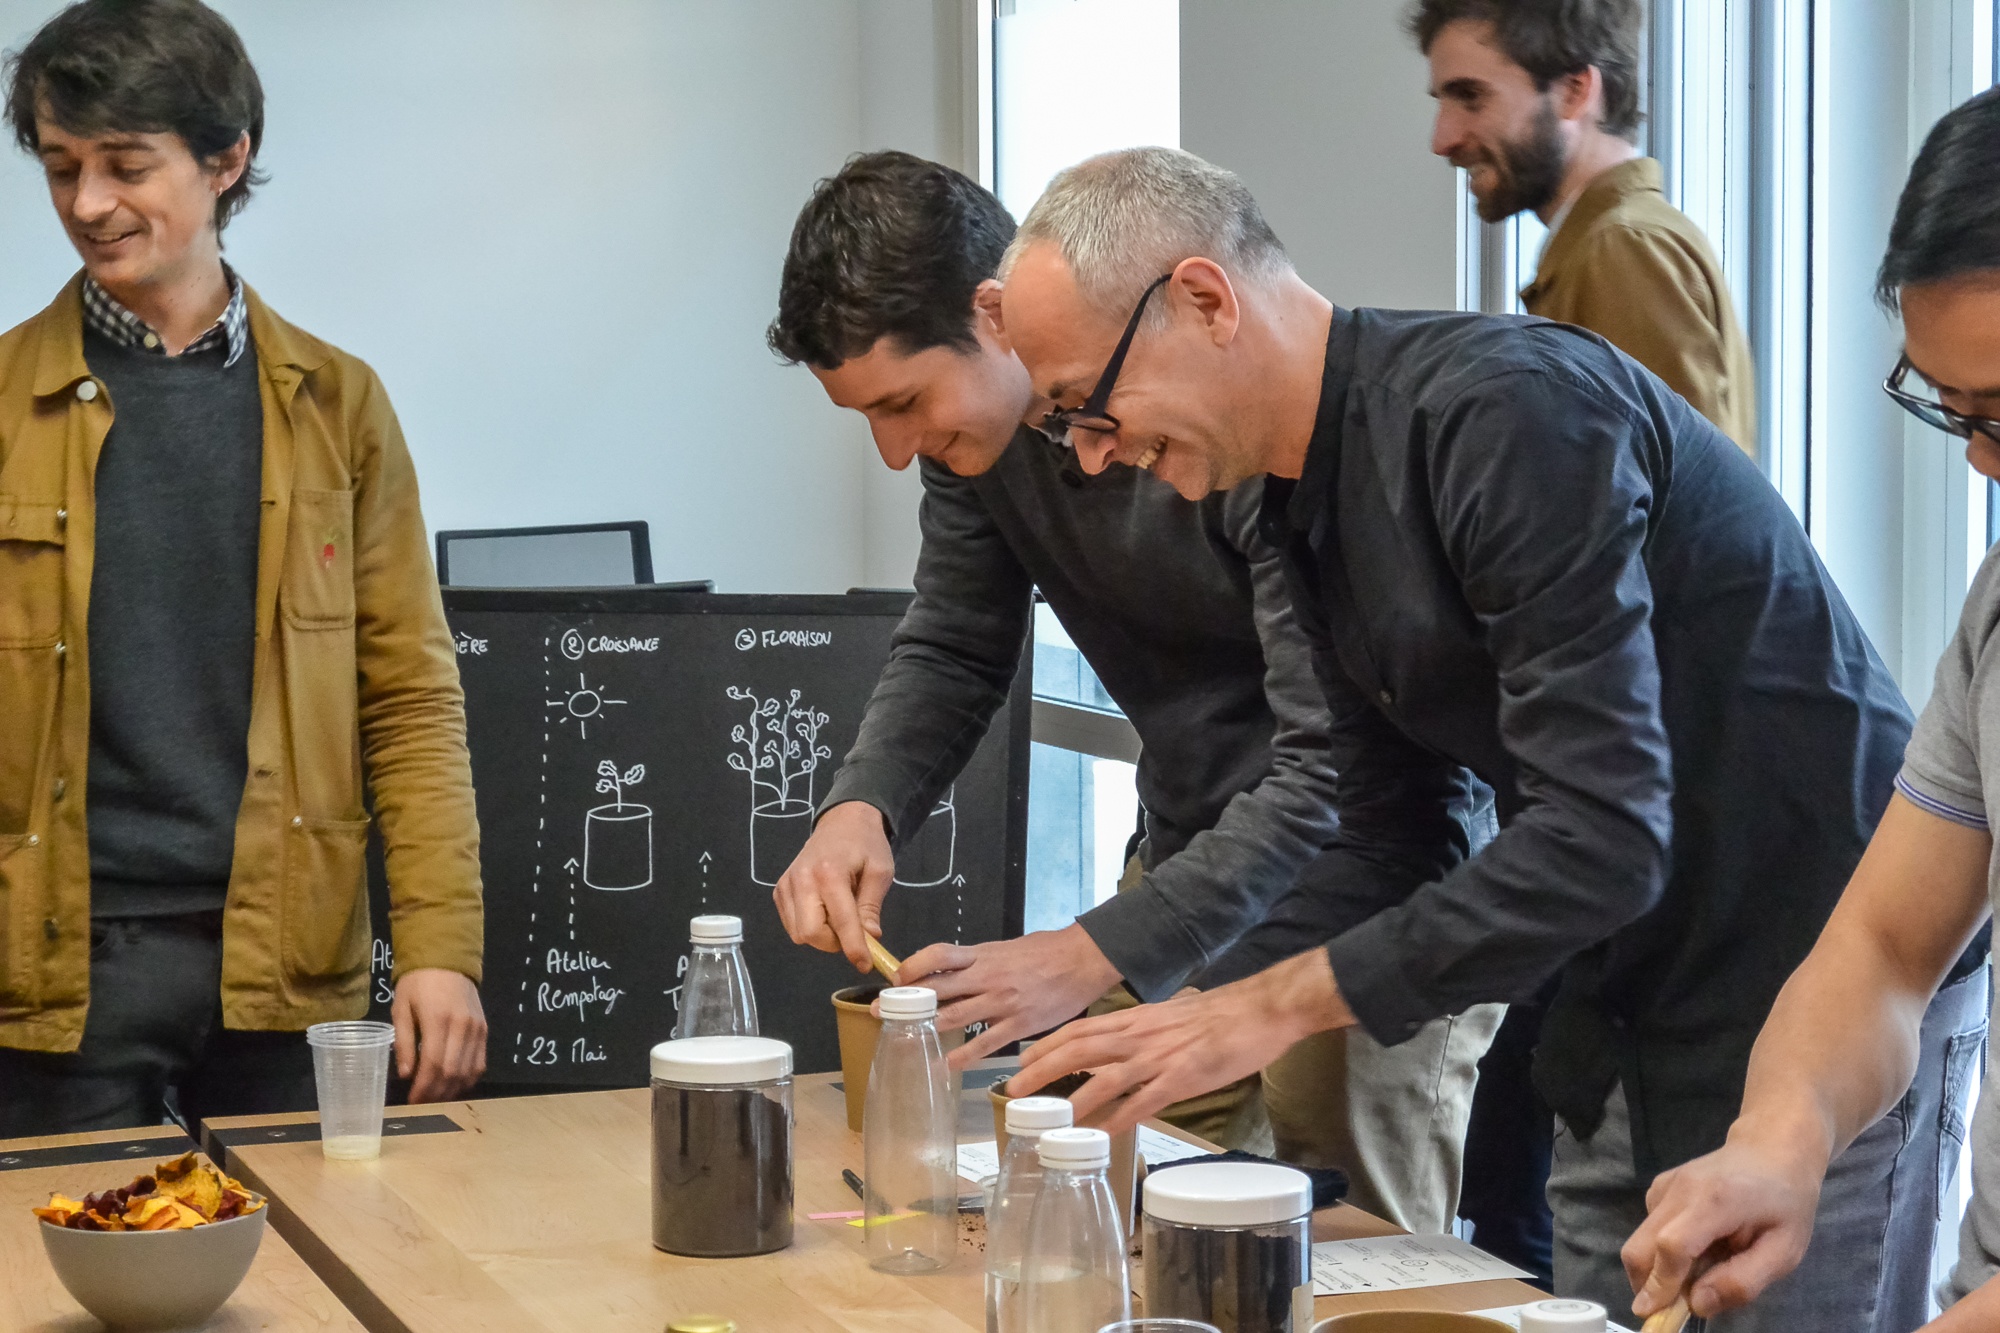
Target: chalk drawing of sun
(583, 705)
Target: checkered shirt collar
(109, 318)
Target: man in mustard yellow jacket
(217, 613)
(1539, 101)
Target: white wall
(556, 231)
(1321, 108)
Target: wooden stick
(1670, 1320)
(885, 962)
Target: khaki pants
(1393, 1118)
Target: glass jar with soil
(722, 1146)
(1230, 1243)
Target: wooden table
(534, 1213)
(279, 1292)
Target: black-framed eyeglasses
(1933, 413)
(1092, 415)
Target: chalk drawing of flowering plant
(779, 748)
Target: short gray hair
(1122, 219)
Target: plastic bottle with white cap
(716, 999)
(909, 1140)
(1014, 1193)
(1563, 1317)
(1074, 1278)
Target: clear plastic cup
(351, 1069)
(1159, 1326)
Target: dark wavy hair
(1947, 222)
(1552, 38)
(142, 67)
(891, 246)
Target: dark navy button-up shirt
(1521, 558)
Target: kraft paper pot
(1124, 1172)
(858, 1028)
(1408, 1321)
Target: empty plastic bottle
(1075, 1278)
(716, 999)
(1020, 1180)
(909, 1140)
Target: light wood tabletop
(533, 1213)
(279, 1292)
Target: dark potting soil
(722, 1171)
(1237, 1280)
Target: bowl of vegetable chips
(162, 1252)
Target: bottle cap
(1228, 1194)
(909, 1002)
(1075, 1149)
(716, 930)
(1032, 1115)
(702, 1323)
(721, 1061)
(1562, 1317)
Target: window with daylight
(1072, 78)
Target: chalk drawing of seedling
(618, 838)
(780, 750)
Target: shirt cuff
(852, 784)
(1144, 941)
(1933, 799)
(1375, 987)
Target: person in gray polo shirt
(1179, 607)
(1840, 1050)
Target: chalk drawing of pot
(927, 859)
(778, 833)
(618, 847)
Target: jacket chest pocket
(31, 598)
(316, 590)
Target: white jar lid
(1228, 1194)
(716, 930)
(909, 1002)
(1562, 1317)
(720, 1061)
(1074, 1149)
(1032, 1115)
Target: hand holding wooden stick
(885, 962)
(1670, 1320)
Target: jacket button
(34, 839)
(1386, 697)
(297, 822)
(62, 518)
(87, 391)
(61, 787)
(61, 648)
(51, 929)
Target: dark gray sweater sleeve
(951, 662)
(1190, 907)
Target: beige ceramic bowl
(1408, 1321)
(155, 1279)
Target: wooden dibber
(1670, 1320)
(885, 962)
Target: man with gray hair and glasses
(1519, 557)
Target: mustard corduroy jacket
(354, 669)
(1636, 271)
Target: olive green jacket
(354, 666)
(1633, 269)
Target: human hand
(440, 1033)
(1737, 1220)
(831, 895)
(1143, 1060)
(1017, 987)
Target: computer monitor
(576, 555)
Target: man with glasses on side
(1520, 558)
(887, 296)
(1843, 1042)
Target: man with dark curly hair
(1539, 101)
(217, 613)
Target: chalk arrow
(958, 879)
(706, 858)
(570, 865)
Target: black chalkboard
(614, 733)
